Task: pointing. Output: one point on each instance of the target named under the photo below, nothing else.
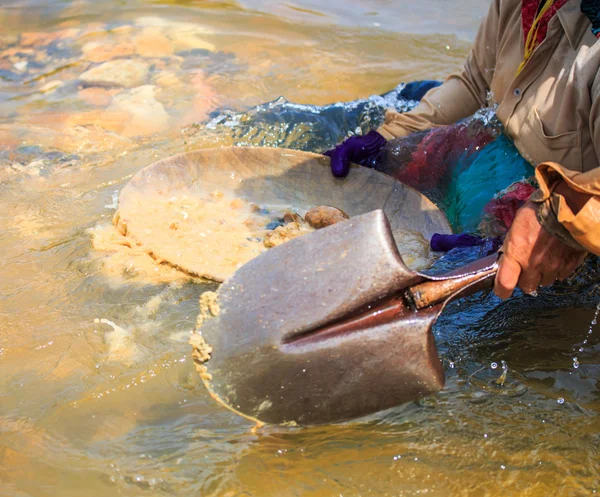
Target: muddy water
(85, 410)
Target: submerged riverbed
(90, 92)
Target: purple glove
(445, 243)
(359, 149)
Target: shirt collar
(574, 22)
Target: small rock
(72, 140)
(99, 97)
(119, 72)
(20, 66)
(183, 41)
(123, 30)
(273, 225)
(108, 120)
(183, 35)
(324, 215)
(36, 39)
(95, 51)
(167, 79)
(292, 217)
(148, 114)
(284, 233)
(152, 43)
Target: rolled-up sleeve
(463, 92)
(584, 226)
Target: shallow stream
(80, 416)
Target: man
(539, 61)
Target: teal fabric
(476, 179)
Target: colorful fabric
(529, 11)
(535, 17)
(479, 196)
(591, 9)
(499, 213)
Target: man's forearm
(452, 101)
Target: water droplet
(561, 400)
(575, 362)
(502, 466)
(494, 365)
(452, 365)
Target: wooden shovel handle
(433, 292)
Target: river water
(81, 416)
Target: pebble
(69, 139)
(119, 72)
(21, 66)
(99, 97)
(183, 41)
(44, 38)
(95, 51)
(183, 35)
(152, 43)
(148, 115)
(108, 120)
(38, 38)
(167, 79)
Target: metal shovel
(331, 326)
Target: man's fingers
(571, 266)
(529, 281)
(509, 271)
(549, 278)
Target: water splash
(285, 124)
(590, 331)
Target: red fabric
(529, 10)
(439, 149)
(505, 207)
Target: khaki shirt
(551, 110)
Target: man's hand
(532, 256)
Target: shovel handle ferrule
(433, 292)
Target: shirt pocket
(564, 148)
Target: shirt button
(517, 92)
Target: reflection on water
(88, 410)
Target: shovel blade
(269, 361)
